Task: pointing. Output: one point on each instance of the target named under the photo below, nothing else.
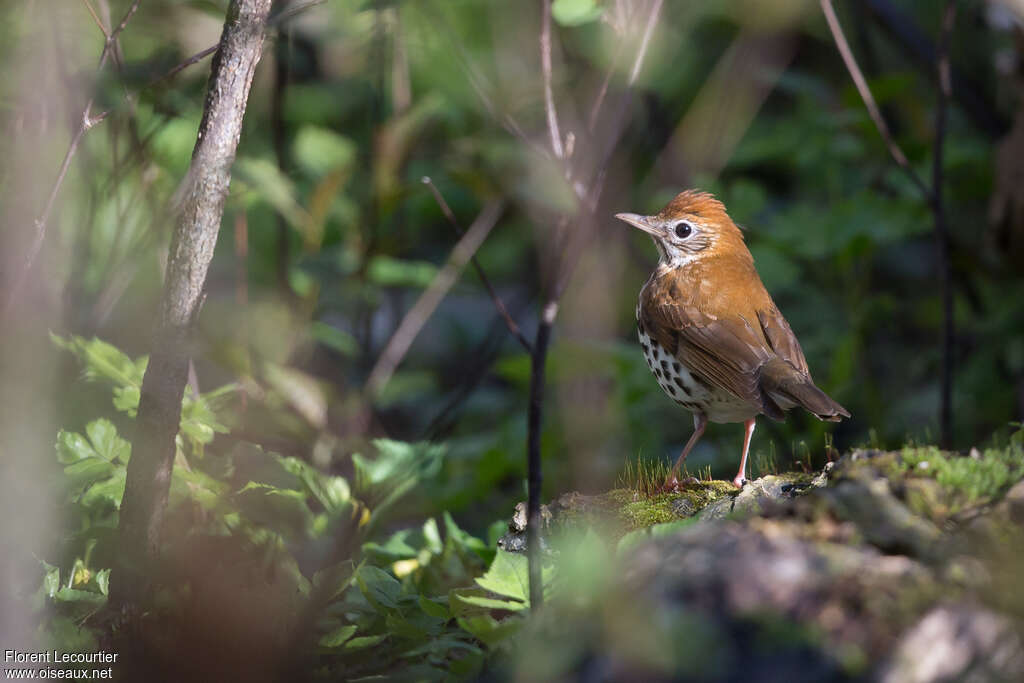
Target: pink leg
(700, 421)
(741, 476)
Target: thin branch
(945, 92)
(603, 91)
(87, 122)
(197, 57)
(476, 81)
(534, 477)
(569, 251)
(428, 302)
(96, 18)
(124, 22)
(869, 101)
(545, 68)
(498, 303)
(652, 21)
(286, 14)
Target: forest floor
(899, 566)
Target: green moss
(637, 511)
(965, 481)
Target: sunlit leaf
(576, 12)
(320, 150)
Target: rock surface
(878, 568)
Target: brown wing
(781, 338)
(727, 353)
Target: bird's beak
(638, 221)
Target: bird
(710, 332)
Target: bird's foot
(674, 485)
(740, 481)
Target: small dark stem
(534, 426)
(197, 57)
(941, 229)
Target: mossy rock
(886, 565)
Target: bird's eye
(683, 230)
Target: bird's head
(691, 227)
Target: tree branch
(545, 69)
(425, 306)
(87, 122)
(869, 101)
(203, 194)
(510, 323)
(569, 253)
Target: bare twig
(513, 328)
(945, 91)
(87, 122)
(534, 427)
(425, 306)
(197, 57)
(652, 21)
(869, 101)
(570, 249)
(476, 81)
(96, 18)
(545, 68)
(603, 91)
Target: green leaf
(508, 576)
(379, 587)
(319, 150)
(273, 187)
(126, 400)
(335, 339)
(51, 580)
(281, 509)
(489, 630)
(391, 272)
(432, 608)
(72, 447)
(106, 493)
(338, 636)
(334, 579)
(88, 471)
(74, 595)
(107, 444)
(398, 467)
(103, 360)
(363, 642)
(331, 492)
(467, 601)
(465, 541)
(102, 579)
(575, 12)
(400, 545)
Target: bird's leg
(700, 421)
(741, 476)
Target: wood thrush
(709, 330)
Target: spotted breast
(686, 389)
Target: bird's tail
(787, 387)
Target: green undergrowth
(637, 511)
(968, 480)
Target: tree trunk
(201, 207)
